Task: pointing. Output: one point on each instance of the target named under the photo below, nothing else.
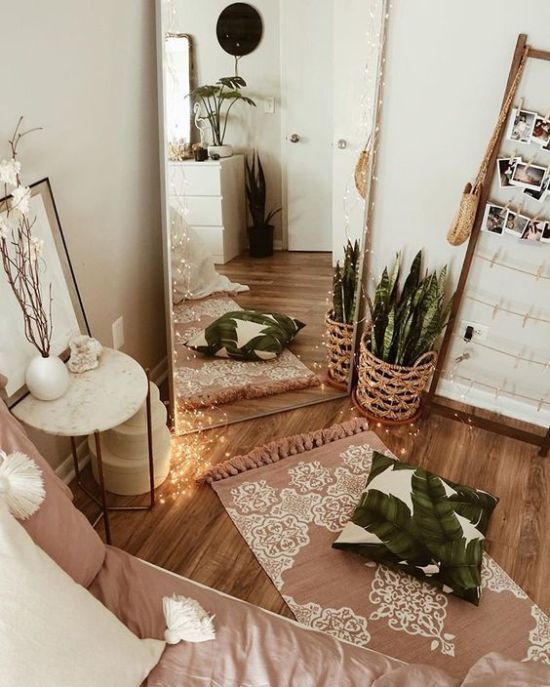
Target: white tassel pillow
(53, 632)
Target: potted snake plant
(260, 233)
(340, 319)
(397, 351)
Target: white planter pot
(222, 151)
(47, 378)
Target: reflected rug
(202, 381)
(290, 499)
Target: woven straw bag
(464, 220)
(361, 172)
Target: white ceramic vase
(47, 378)
(222, 151)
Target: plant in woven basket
(344, 285)
(406, 322)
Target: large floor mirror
(265, 111)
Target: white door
(307, 122)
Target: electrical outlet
(480, 330)
(118, 333)
(269, 106)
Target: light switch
(269, 105)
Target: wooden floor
(296, 284)
(190, 533)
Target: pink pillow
(57, 527)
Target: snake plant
(406, 322)
(344, 285)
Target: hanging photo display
(529, 127)
(499, 219)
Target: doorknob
(294, 138)
(342, 143)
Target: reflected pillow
(412, 520)
(246, 335)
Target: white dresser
(212, 196)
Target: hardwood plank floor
(192, 535)
(297, 284)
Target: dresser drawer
(204, 210)
(222, 245)
(200, 179)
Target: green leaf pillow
(412, 520)
(246, 335)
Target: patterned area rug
(203, 381)
(290, 511)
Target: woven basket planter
(340, 351)
(391, 393)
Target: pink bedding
(253, 648)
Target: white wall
(86, 72)
(249, 127)
(447, 65)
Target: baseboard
(505, 405)
(159, 373)
(65, 471)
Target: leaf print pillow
(412, 520)
(246, 335)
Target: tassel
(21, 484)
(186, 620)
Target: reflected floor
(297, 284)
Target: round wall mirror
(239, 29)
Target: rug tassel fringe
(283, 448)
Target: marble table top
(95, 401)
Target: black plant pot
(261, 241)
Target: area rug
(202, 381)
(290, 511)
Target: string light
(525, 316)
(499, 389)
(517, 356)
(539, 274)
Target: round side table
(96, 401)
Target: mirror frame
(166, 239)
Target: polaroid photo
(545, 238)
(506, 166)
(494, 218)
(522, 123)
(515, 224)
(528, 175)
(541, 194)
(541, 132)
(533, 230)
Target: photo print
(534, 230)
(505, 166)
(494, 218)
(522, 123)
(545, 238)
(539, 195)
(541, 132)
(515, 224)
(528, 175)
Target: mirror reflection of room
(264, 211)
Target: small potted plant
(340, 320)
(212, 104)
(199, 153)
(397, 356)
(260, 234)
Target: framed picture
(528, 176)
(522, 123)
(494, 218)
(540, 194)
(545, 238)
(67, 311)
(541, 132)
